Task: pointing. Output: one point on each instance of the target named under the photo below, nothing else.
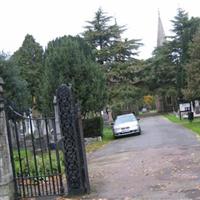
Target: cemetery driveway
(162, 163)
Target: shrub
(43, 163)
(93, 127)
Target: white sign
(184, 107)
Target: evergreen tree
(184, 29)
(29, 59)
(162, 74)
(166, 69)
(69, 60)
(16, 91)
(115, 53)
(105, 39)
(181, 30)
(192, 91)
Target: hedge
(93, 127)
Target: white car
(126, 124)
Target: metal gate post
(73, 143)
(6, 176)
(82, 152)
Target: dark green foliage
(192, 91)
(70, 60)
(43, 168)
(117, 55)
(166, 70)
(162, 71)
(29, 59)
(105, 39)
(97, 32)
(184, 29)
(126, 73)
(15, 87)
(93, 127)
(126, 98)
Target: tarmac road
(162, 163)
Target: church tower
(161, 32)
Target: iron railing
(36, 155)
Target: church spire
(161, 32)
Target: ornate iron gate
(73, 142)
(36, 155)
(44, 149)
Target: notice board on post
(184, 107)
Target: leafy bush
(42, 160)
(107, 137)
(93, 127)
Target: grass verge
(194, 125)
(107, 137)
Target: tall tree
(166, 71)
(161, 70)
(104, 36)
(192, 91)
(181, 28)
(125, 98)
(70, 60)
(115, 53)
(184, 29)
(16, 90)
(29, 59)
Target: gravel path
(162, 163)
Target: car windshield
(125, 118)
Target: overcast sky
(48, 19)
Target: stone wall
(6, 177)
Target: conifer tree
(16, 91)
(69, 60)
(104, 36)
(192, 91)
(29, 59)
